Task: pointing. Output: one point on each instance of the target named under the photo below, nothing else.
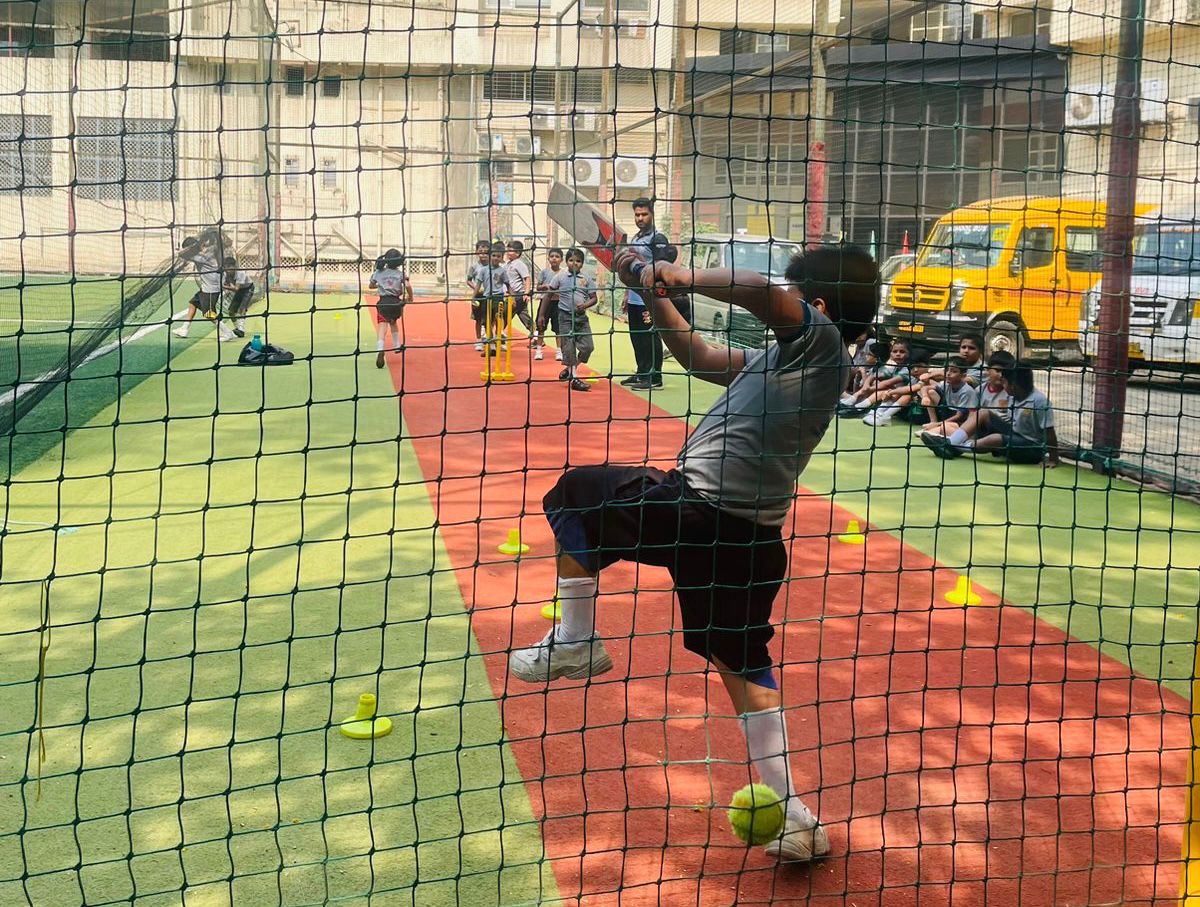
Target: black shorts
(241, 300)
(727, 570)
(477, 310)
(389, 309)
(206, 302)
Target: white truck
(1164, 317)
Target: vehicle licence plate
(911, 327)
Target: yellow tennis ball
(756, 814)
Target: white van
(1164, 315)
(730, 324)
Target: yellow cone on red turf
(363, 725)
(853, 534)
(514, 545)
(962, 593)
(552, 611)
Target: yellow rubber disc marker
(552, 611)
(962, 593)
(514, 545)
(853, 534)
(363, 725)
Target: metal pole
(814, 171)
(1112, 358)
(676, 130)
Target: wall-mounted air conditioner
(585, 171)
(1089, 106)
(631, 172)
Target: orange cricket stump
(853, 534)
(963, 593)
(514, 545)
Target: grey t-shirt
(208, 272)
(1031, 417)
(389, 281)
(493, 282)
(994, 400)
(752, 445)
(546, 278)
(518, 274)
(977, 373)
(573, 290)
(965, 397)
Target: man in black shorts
(715, 520)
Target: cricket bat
(585, 222)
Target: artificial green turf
(228, 584)
(1113, 564)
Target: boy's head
(514, 249)
(393, 258)
(497, 253)
(970, 348)
(998, 363)
(555, 256)
(483, 250)
(956, 371)
(845, 279)
(918, 361)
(878, 352)
(1019, 381)
(230, 263)
(188, 243)
(899, 352)
(574, 260)
(643, 212)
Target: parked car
(726, 323)
(1012, 269)
(1164, 311)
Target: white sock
(395, 338)
(958, 437)
(577, 600)
(766, 741)
(379, 344)
(847, 400)
(863, 404)
(887, 410)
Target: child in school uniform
(395, 291)
(522, 284)
(241, 289)
(992, 394)
(893, 373)
(948, 403)
(547, 315)
(496, 284)
(576, 294)
(896, 400)
(205, 260)
(483, 256)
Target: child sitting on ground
(993, 395)
(947, 404)
(893, 373)
(897, 400)
(1027, 436)
(862, 360)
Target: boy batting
(715, 520)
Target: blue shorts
(727, 570)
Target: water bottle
(256, 342)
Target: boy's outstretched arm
(717, 364)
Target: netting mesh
(298, 463)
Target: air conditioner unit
(488, 142)
(631, 172)
(583, 120)
(528, 146)
(1092, 105)
(543, 121)
(585, 171)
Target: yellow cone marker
(963, 594)
(337, 316)
(853, 534)
(514, 545)
(552, 611)
(363, 725)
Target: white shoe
(538, 355)
(551, 659)
(799, 845)
(241, 325)
(180, 331)
(848, 400)
(479, 346)
(878, 418)
(224, 334)
(558, 355)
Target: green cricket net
(256, 621)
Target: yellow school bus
(1012, 269)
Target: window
(1036, 247)
(1028, 156)
(295, 81)
(120, 30)
(507, 86)
(939, 22)
(623, 10)
(1084, 249)
(27, 29)
(119, 157)
(770, 43)
(578, 89)
(331, 86)
(26, 154)
(635, 77)
(1030, 22)
(291, 171)
(329, 173)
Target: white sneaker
(538, 355)
(558, 355)
(551, 659)
(224, 334)
(180, 331)
(799, 845)
(479, 346)
(848, 400)
(241, 325)
(878, 418)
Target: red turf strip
(957, 756)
